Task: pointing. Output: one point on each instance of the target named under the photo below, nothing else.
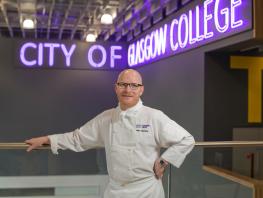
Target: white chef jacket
(132, 141)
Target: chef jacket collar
(130, 111)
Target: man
(132, 135)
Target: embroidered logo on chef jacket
(142, 128)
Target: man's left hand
(159, 167)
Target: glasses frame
(132, 86)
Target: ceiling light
(90, 38)
(28, 24)
(106, 19)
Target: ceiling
(58, 19)
(74, 19)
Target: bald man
(132, 135)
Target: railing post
(169, 181)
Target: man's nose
(127, 90)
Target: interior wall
(38, 102)
(225, 107)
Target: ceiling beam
(35, 20)
(6, 19)
(79, 20)
(49, 18)
(20, 18)
(65, 19)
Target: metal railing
(210, 144)
(14, 145)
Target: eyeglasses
(133, 86)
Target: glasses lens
(122, 85)
(132, 86)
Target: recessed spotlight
(28, 24)
(106, 19)
(90, 38)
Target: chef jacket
(132, 141)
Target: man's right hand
(159, 167)
(37, 142)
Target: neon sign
(206, 22)
(196, 24)
(39, 60)
(72, 55)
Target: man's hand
(159, 167)
(37, 142)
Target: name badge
(142, 128)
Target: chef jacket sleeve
(86, 137)
(176, 139)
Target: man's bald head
(130, 73)
(129, 88)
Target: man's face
(128, 89)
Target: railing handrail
(229, 143)
(15, 145)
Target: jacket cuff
(53, 143)
(175, 158)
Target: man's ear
(115, 88)
(142, 90)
